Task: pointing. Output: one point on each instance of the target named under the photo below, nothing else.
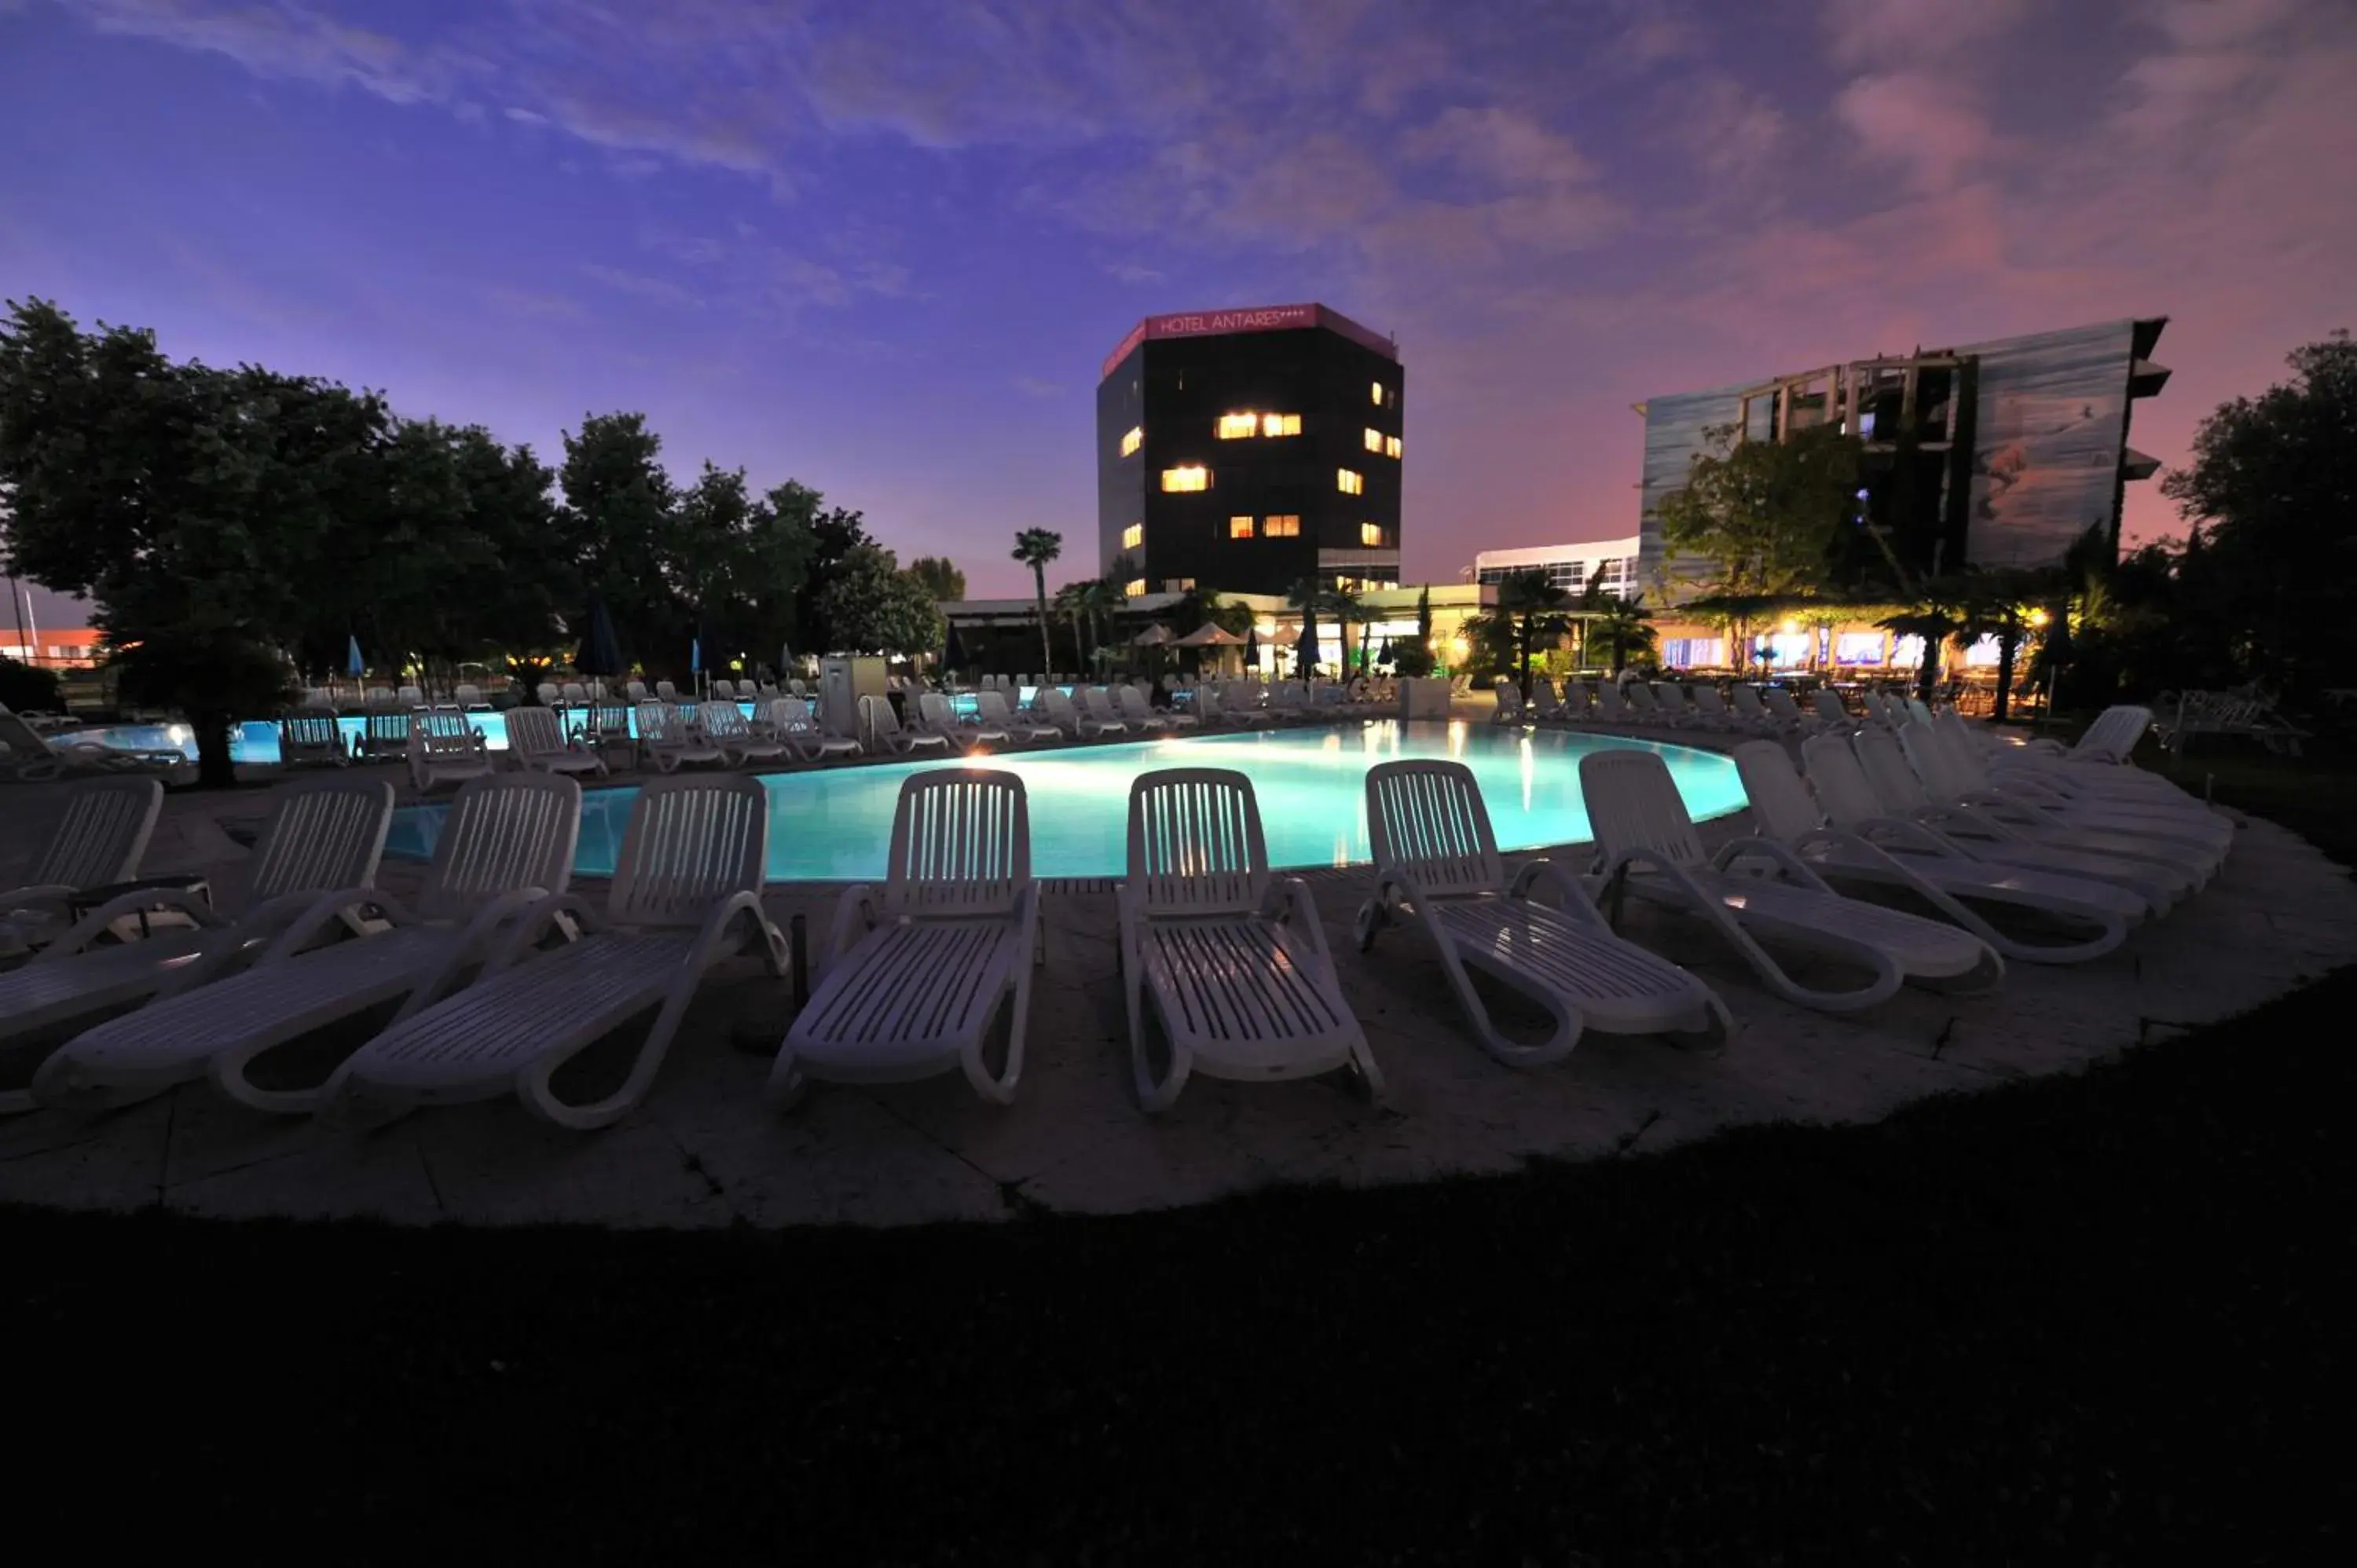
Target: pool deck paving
(704, 1151)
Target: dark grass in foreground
(2103, 1317)
(2095, 1318)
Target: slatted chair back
(1671, 698)
(1132, 705)
(535, 732)
(440, 732)
(1099, 705)
(1934, 760)
(1195, 843)
(1843, 790)
(635, 690)
(377, 697)
(723, 721)
(1781, 704)
(385, 734)
(794, 713)
(1826, 704)
(770, 717)
(992, 705)
(722, 691)
(1919, 710)
(1710, 705)
(1887, 773)
(1632, 804)
(503, 833)
(934, 713)
(666, 691)
(2114, 735)
(1426, 820)
(411, 697)
(1576, 702)
(311, 738)
(1608, 704)
(691, 839)
(876, 714)
(321, 835)
(101, 832)
(1057, 706)
(576, 695)
(961, 845)
(609, 723)
(550, 692)
(660, 724)
(467, 696)
(1746, 699)
(1642, 701)
(1509, 698)
(1543, 702)
(1781, 801)
(798, 687)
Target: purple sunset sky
(880, 246)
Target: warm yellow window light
(1374, 439)
(1240, 528)
(1133, 441)
(1371, 533)
(2038, 618)
(1346, 481)
(1135, 588)
(1132, 536)
(1190, 476)
(1280, 424)
(1283, 526)
(1238, 426)
(1378, 391)
(1391, 446)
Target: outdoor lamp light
(2038, 618)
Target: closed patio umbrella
(600, 653)
(1304, 650)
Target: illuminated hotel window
(1345, 480)
(1132, 536)
(1375, 440)
(1280, 424)
(1378, 389)
(1135, 588)
(1237, 426)
(1133, 441)
(1391, 446)
(1193, 477)
(1240, 528)
(1285, 526)
(1371, 533)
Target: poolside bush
(29, 688)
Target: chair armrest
(534, 923)
(307, 926)
(854, 917)
(90, 926)
(1571, 898)
(1769, 849)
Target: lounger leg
(999, 1089)
(1153, 1095)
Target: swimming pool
(833, 825)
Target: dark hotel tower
(1243, 451)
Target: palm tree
(1624, 626)
(1073, 603)
(1537, 608)
(1347, 609)
(1035, 547)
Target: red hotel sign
(1263, 318)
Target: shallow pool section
(833, 825)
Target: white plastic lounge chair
(991, 707)
(469, 698)
(377, 699)
(536, 741)
(1544, 707)
(1749, 710)
(666, 693)
(1508, 710)
(550, 695)
(686, 895)
(888, 740)
(725, 726)
(923, 968)
(1098, 704)
(1825, 707)
(2094, 771)
(1436, 862)
(410, 697)
(99, 830)
(324, 834)
(1784, 810)
(1787, 712)
(311, 740)
(1138, 714)
(444, 746)
(635, 693)
(1578, 704)
(788, 720)
(1610, 706)
(720, 691)
(669, 740)
(937, 717)
(1225, 967)
(1712, 713)
(1953, 772)
(506, 845)
(1897, 795)
(1071, 720)
(1646, 844)
(1676, 711)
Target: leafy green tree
(618, 508)
(940, 576)
(1072, 601)
(1413, 658)
(873, 606)
(1035, 547)
(179, 498)
(1765, 515)
(29, 688)
(2273, 493)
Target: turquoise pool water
(833, 825)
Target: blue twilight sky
(881, 245)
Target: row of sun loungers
(501, 976)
